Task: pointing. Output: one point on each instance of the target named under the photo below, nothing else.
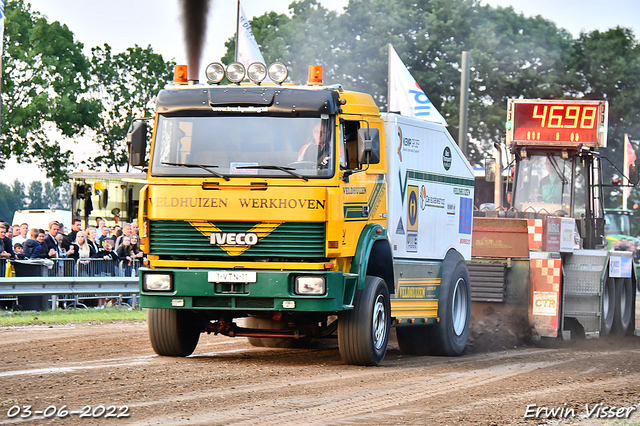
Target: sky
(124, 23)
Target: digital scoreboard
(557, 122)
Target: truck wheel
(454, 309)
(363, 332)
(173, 332)
(625, 306)
(608, 305)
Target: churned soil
(227, 381)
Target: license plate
(232, 277)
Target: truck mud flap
(488, 281)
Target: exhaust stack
(194, 19)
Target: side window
(350, 137)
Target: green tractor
(619, 228)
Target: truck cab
(265, 216)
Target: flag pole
(237, 29)
(389, 77)
(464, 103)
(625, 170)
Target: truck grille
(182, 239)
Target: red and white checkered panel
(549, 270)
(535, 233)
(545, 276)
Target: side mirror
(137, 142)
(490, 170)
(633, 174)
(368, 146)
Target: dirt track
(227, 381)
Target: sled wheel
(363, 332)
(454, 309)
(608, 305)
(625, 305)
(173, 332)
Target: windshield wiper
(281, 168)
(206, 167)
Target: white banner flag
(405, 96)
(247, 48)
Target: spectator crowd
(117, 243)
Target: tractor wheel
(625, 305)
(608, 305)
(363, 332)
(173, 332)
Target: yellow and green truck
(304, 211)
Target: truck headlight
(235, 72)
(278, 72)
(257, 72)
(310, 285)
(157, 282)
(214, 72)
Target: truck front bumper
(271, 291)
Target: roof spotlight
(257, 71)
(215, 72)
(278, 72)
(235, 72)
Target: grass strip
(71, 316)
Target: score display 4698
(550, 121)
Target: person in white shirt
(23, 236)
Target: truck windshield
(244, 146)
(543, 184)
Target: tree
(51, 196)
(36, 199)
(11, 199)
(44, 90)
(18, 195)
(6, 212)
(126, 83)
(608, 64)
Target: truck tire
(173, 332)
(625, 305)
(363, 332)
(454, 309)
(608, 304)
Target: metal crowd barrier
(91, 267)
(71, 283)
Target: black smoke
(194, 20)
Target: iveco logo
(234, 238)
